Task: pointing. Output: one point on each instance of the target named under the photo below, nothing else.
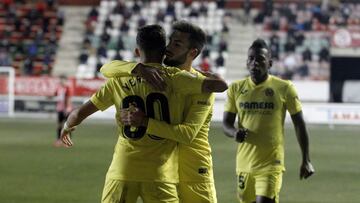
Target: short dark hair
(197, 36)
(151, 39)
(260, 44)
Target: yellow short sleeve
(293, 104)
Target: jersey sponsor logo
(257, 105)
(269, 92)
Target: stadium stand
(29, 34)
(300, 35)
(111, 30)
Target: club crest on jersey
(269, 92)
(243, 91)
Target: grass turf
(33, 171)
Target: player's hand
(66, 136)
(306, 170)
(153, 76)
(133, 117)
(241, 135)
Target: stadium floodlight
(7, 98)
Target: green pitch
(33, 171)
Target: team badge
(243, 91)
(269, 92)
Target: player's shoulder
(170, 70)
(238, 83)
(279, 81)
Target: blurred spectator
(108, 23)
(11, 13)
(17, 24)
(32, 49)
(118, 56)
(136, 7)
(170, 9)
(220, 4)
(120, 44)
(290, 45)
(290, 64)
(102, 51)
(205, 53)
(50, 3)
(194, 12)
(105, 37)
(223, 45)
(268, 7)
(209, 39)
(27, 28)
(187, 3)
(45, 24)
(141, 21)
(93, 14)
(275, 45)
(225, 29)
(32, 15)
(5, 59)
(205, 65)
(247, 9)
(203, 9)
(5, 43)
(303, 70)
(7, 4)
(28, 66)
(324, 54)
(259, 18)
(124, 27)
(119, 8)
(299, 38)
(220, 61)
(20, 48)
(84, 56)
(160, 16)
(307, 55)
(40, 7)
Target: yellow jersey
(195, 160)
(140, 156)
(262, 109)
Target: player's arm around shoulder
(191, 83)
(213, 83)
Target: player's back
(139, 156)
